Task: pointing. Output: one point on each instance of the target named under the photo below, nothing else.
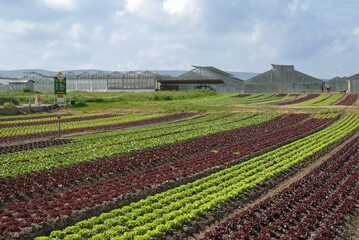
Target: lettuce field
(186, 175)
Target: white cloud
(297, 5)
(76, 31)
(98, 33)
(52, 44)
(86, 66)
(127, 66)
(163, 34)
(150, 10)
(134, 6)
(355, 31)
(253, 36)
(61, 4)
(48, 55)
(177, 7)
(15, 28)
(337, 47)
(117, 37)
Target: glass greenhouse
(98, 82)
(344, 84)
(204, 77)
(283, 79)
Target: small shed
(17, 86)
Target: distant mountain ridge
(17, 74)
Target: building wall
(338, 86)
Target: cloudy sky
(321, 38)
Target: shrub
(26, 89)
(9, 105)
(9, 99)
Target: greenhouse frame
(338, 84)
(280, 79)
(207, 77)
(344, 84)
(283, 79)
(97, 82)
(354, 83)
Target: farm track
(63, 221)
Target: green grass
(203, 100)
(112, 97)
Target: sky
(320, 38)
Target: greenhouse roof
(213, 69)
(208, 81)
(39, 74)
(283, 74)
(206, 73)
(337, 79)
(355, 76)
(282, 67)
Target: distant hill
(10, 75)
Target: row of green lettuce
(46, 158)
(251, 99)
(47, 117)
(21, 130)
